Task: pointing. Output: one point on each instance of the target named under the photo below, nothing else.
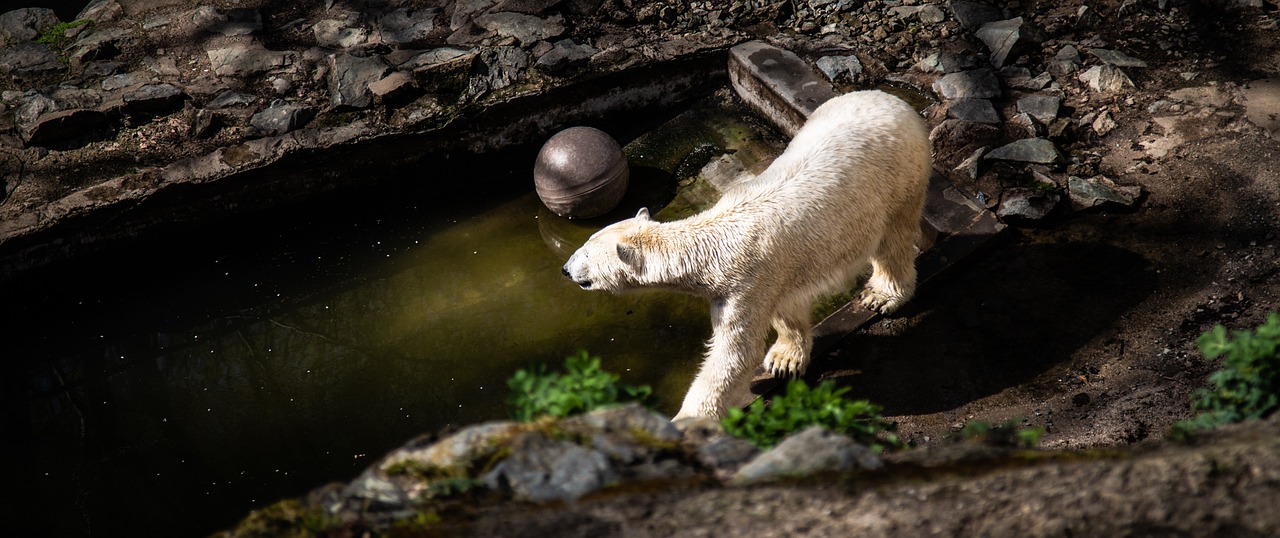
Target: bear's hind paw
(881, 302)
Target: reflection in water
(170, 389)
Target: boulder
(25, 24)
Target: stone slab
(777, 84)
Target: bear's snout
(584, 283)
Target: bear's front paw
(786, 361)
(881, 302)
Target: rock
(1031, 127)
(25, 24)
(63, 125)
(969, 167)
(1210, 96)
(836, 67)
(495, 68)
(526, 29)
(350, 77)
(103, 69)
(976, 83)
(972, 15)
(240, 60)
(30, 106)
(97, 45)
(339, 34)
(232, 22)
(1118, 59)
(405, 26)
(1103, 124)
(280, 118)
(434, 58)
(29, 59)
(152, 99)
(809, 452)
(100, 11)
(394, 87)
(979, 110)
(457, 452)
(68, 98)
(231, 98)
(1100, 192)
(464, 10)
(123, 80)
(542, 469)
(375, 493)
(1020, 203)
(206, 123)
(564, 54)
(955, 140)
(1006, 39)
(627, 434)
(945, 62)
(726, 454)
(1106, 79)
(1029, 150)
(931, 14)
(1044, 108)
(1262, 105)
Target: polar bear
(848, 190)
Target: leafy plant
(1248, 384)
(56, 36)
(802, 406)
(1008, 433)
(584, 386)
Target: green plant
(1248, 384)
(584, 386)
(802, 406)
(56, 36)
(1008, 433)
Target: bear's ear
(643, 214)
(629, 254)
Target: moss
(287, 518)
(56, 36)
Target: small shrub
(583, 387)
(1009, 433)
(1248, 384)
(802, 407)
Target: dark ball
(581, 173)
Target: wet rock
(339, 34)
(972, 15)
(526, 29)
(542, 469)
(976, 83)
(495, 68)
(240, 60)
(232, 22)
(837, 67)
(979, 110)
(1262, 105)
(1044, 108)
(564, 54)
(152, 99)
(1100, 192)
(1029, 150)
(350, 77)
(280, 118)
(811, 451)
(63, 125)
(1020, 203)
(25, 24)
(29, 59)
(405, 26)
(1118, 59)
(1106, 79)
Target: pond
(173, 385)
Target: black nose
(564, 270)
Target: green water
(176, 386)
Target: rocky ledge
(142, 113)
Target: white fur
(848, 190)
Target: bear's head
(611, 260)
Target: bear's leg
(893, 266)
(789, 355)
(737, 343)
